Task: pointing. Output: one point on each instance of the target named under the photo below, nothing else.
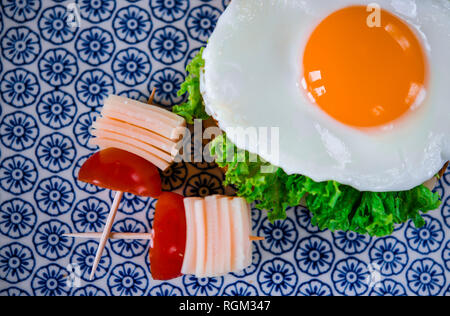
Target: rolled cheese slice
(200, 242)
(127, 139)
(143, 115)
(115, 143)
(147, 136)
(190, 253)
(143, 129)
(218, 236)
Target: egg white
(253, 63)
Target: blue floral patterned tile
(59, 61)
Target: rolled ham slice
(217, 240)
(126, 139)
(114, 143)
(143, 129)
(147, 136)
(143, 115)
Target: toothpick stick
(152, 96)
(106, 231)
(143, 236)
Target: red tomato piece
(169, 241)
(120, 170)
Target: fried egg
(360, 94)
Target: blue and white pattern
(19, 88)
(56, 109)
(50, 242)
(350, 242)
(89, 215)
(18, 174)
(130, 203)
(54, 196)
(93, 87)
(20, 45)
(351, 277)
(303, 216)
(427, 239)
(169, 10)
(95, 46)
(89, 290)
(445, 212)
(277, 277)
(279, 237)
(426, 277)
(83, 257)
(240, 288)
(18, 131)
(167, 82)
(165, 289)
(16, 263)
(168, 45)
(202, 286)
(1, 24)
(388, 287)
(17, 218)
(57, 67)
(55, 152)
(446, 255)
(202, 21)
(131, 67)
(13, 291)
(96, 11)
(314, 255)
(127, 279)
(129, 248)
(50, 280)
(53, 25)
(21, 11)
(390, 255)
(132, 24)
(314, 287)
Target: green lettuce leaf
(333, 205)
(193, 108)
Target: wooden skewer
(442, 172)
(152, 96)
(142, 236)
(106, 231)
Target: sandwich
(356, 95)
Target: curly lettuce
(333, 205)
(193, 108)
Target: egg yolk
(364, 67)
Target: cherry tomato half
(120, 170)
(169, 241)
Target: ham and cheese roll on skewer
(206, 237)
(142, 132)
